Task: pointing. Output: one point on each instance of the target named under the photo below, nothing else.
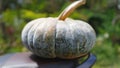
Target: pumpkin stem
(66, 12)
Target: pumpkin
(60, 37)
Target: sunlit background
(103, 15)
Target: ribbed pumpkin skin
(50, 38)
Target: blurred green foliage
(101, 14)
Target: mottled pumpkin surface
(50, 37)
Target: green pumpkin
(59, 37)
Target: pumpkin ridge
(71, 40)
(30, 36)
(59, 38)
(89, 35)
(42, 42)
(71, 24)
(49, 35)
(76, 31)
(83, 48)
(25, 33)
(36, 40)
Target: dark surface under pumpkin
(29, 60)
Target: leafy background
(102, 15)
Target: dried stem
(70, 9)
